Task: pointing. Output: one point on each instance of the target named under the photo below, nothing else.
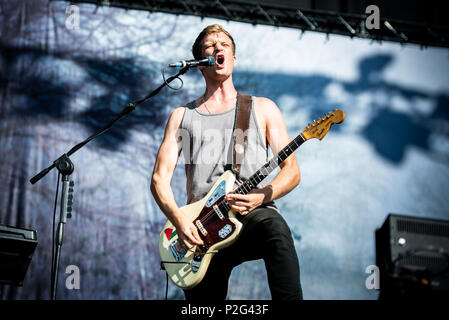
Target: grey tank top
(207, 148)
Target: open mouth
(219, 59)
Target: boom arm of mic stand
(130, 107)
(66, 167)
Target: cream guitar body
(217, 224)
(218, 227)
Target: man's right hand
(188, 234)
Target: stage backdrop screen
(68, 70)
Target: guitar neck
(268, 167)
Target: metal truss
(259, 13)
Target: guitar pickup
(218, 212)
(200, 227)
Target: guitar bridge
(177, 250)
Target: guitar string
(257, 174)
(277, 159)
(254, 176)
(204, 220)
(210, 214)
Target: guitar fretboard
(268, 167)
(265, 170)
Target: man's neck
(220, 93)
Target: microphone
(206, 62)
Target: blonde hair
(214, 28)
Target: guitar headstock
(319, 128)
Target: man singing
(265, 234)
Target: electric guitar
(216, 222)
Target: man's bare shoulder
(179, 111)
(176, 116)
(265, 106)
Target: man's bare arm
(289, 176)
(165, 164)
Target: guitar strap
(240, 134)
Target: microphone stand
(65, 167)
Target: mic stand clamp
(130, 107)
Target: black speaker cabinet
(17, 246)
(413, 257)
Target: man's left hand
(245, 203)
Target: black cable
(177, 262)
(166, 274)
(53, 237)
(167, 83)
(166, 286)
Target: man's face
(219, 45)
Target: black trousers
(265, 235)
